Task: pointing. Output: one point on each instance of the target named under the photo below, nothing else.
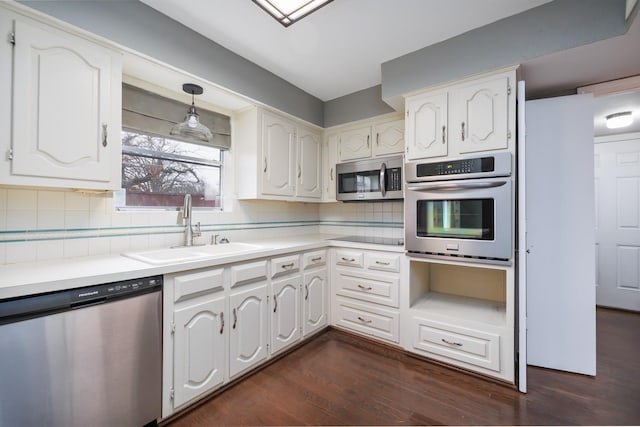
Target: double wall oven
(460, 207)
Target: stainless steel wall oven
(460, 207)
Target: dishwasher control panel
(115, 289)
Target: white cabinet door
(248, 333)
(330, 158)
(315, 301)
(355, 144)
(199, 349)
(309, 168)
(479, 116)
(285, 313)
(388, 138)
(66, 108)
(279, 151)
(426, 126)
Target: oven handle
(456, 187)
(383, 172)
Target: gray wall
(552, 27)
(141, 28)
(355, 106)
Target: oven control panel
(486, 166)
(456, 167)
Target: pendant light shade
(191, 126)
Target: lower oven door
(468, 218)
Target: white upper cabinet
(355, 144)
(276, 158)
(279, 152)
(427, 126)
(388, 138)
(66, 108)
(474, 116)
(479, 118)
(330, 158)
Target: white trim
(618, 137)
(629, 84)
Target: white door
(199, 349)
(279, 150)
(388, 138)
(426, 126)
(560, 238)
(355, 144)
(248, 333)
(479, 116)
(617, 181)
(315, 301)
(330, 158)
(62, 123)
(285, 312)
(309, 169)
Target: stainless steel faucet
(189, 234)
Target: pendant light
(191, 127)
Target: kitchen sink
(190, 253)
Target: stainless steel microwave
(369, 180)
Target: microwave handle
(456, 187)
(383, 172)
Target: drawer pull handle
(348, 259)
(363, 320)
(221, 322)
(382, 263)
(235, 318)
(364, 288)
(457, 344)
(287, 266)
(316, 259)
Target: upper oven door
(464, 218)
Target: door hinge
(171, 393)
(12, 38)
(508, 90)
(173, 328)
(10, 154)
(508, 134)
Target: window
(157, 172)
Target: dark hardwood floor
(338, 379)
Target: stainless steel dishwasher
(89, 356)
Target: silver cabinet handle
(265, 165)
(104, 134)
(287, 266)
(368, 138)
(221, 322)
(382, 263)
(299, 171)
(378, 138)
(443, 132)
(364, 288)
(316, 259)
(275, 303)
(331, 174)
(348, 259)
(235, 318)
(463, 131)
(457, 344)
(363, 320)
(306, 294)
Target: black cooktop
(390, 241)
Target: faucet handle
(197, 232)
(214, 239)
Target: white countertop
(47, 276)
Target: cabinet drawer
(350, 258)
(374, 321)
(247, 273)
(466, 345)
(193, 284)
(381, 289)
(285, 265)
(313, 259)
(383, 262)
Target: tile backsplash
(39, 224)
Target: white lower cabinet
(285, 312)
(248, 329)
(315, 301)
(366, 292)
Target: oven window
(359, 182)
(459, 219)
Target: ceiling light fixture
(288, 12)
(619, 120)
(191, 127)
